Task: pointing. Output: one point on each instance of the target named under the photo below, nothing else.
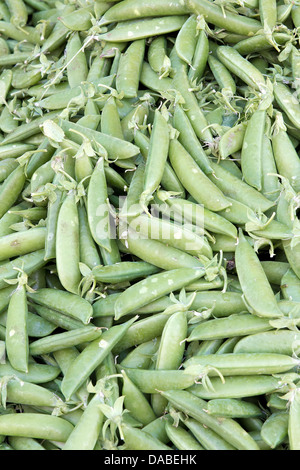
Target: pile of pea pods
(149, 225)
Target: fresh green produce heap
(149, 229)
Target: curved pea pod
(181, 438)
(252, 150)
(67, 303)
(125, 31)
(21, 243)
(141, 356)
(78, 20)
(129, 69)
(153, 287)
(286, 158)
(63, 340)
(91, 357)
(241, 67)
(277, 342)
(172, 234)
(7, 166)
(186, 40)
(275, 429)
(88, 428)
(239, 386)
(288, 103)
(28, 263)
(130, 9)
(232, 141)
(260, 43)
(196, 116)
(35, 425)
(137, 439)
(214, 14)
(194, 180)
(233, 408)
(242, 324)
(200, 57)
(208, 438)
(38, 373)
(153, 381)
(159, 254)
(125, 271)
(17, 342)
(67, 244)
(251, 275)
(150, 79)
(157, 157)
(189, 140)
(116, 148)
(275, 270)
(243, 363)
(227, 428)
(158, 56)
(11, 189)
(27, 393)
(136, 402)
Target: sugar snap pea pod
(290, 286)
(189, 139)
(233, 408)
(7, 166)
(29, 263)
(27, 393)
(141, 356)
(134, 119)
(172, 234)
(38, 373)
(196, 116)
(293, 424)
(270, 182)
(132, 30)
(275, 429)
(279, 342)
(39, 158)
(77, 68)
(288, 102)
(227, 346)
(97, 207)
(35, 425)
(239, 386)
(259, 43)
(137, 439)
(4, 12)
(243, 363)
(56, 318)
(11, 188)
(200, 57)
(213, 14)
(252, 150)
(154, 287)
(234, 325)
(89, 254)
(157, 157)
(110, 120)
(115, 147)
(124, 271)
(136, 402)
(181, 438)
(51, 221)
(268, 13)
(222, 75)
(159, 254)
(186, 40)
(24, 443)
(228, 428)
(276, 271)
(158, 58)
(87, 430)
(132, 9)
(63, 340)
(286, 158)
(129, 69)
(194, 180)
(152, 381)
(238, 190)
(208, 438)
(65, 302)
(150, 79)
(91, 357)
(245, 256)
(27, 130)
(78, 20)
(26, 33)
(21, 243)
(38, 327)
(241, 67)
(17, 341)
(67, 244)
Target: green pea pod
(137, 439)
(67, 244)
(222, 75)
(77, 68)
(66, 303)
(136, 402)
(124, 271)
(265, 305)
(268, 13)
(150, 79)
(129, 69)
(208, 438)
(11, 189)
(186, 40)
(200, 57)
(17, 343)
(286, 158)
(153, 287)
(181, 438)
(279, 342)
(91, 357)
(293, 425)
(275, 429)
